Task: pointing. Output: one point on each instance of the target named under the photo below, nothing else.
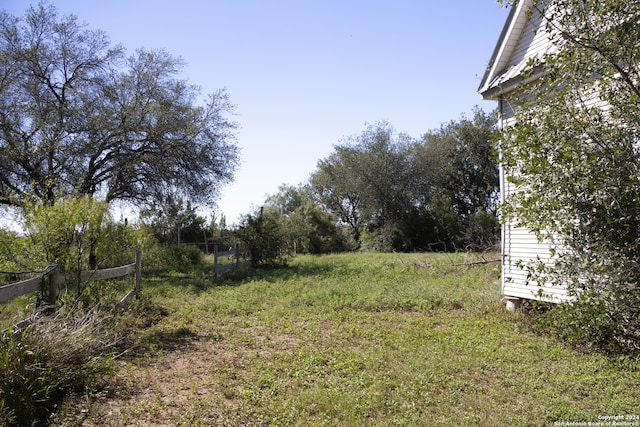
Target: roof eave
(498, 47)
(502, 46)
(494, 92)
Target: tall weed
(50, 357)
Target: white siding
(525, 38)
(533, 42)
(520, 246)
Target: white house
(523, 37)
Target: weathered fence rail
(57, 278)
(14, 290)
(237, 252)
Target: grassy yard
(352, 340)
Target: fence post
(215, 261)
(138, 271)
(54, 285)
(237, 255)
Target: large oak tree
(80, 117)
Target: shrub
(266, 239)
(178, 258)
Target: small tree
(76, 234)
(265, 237)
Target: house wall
(520, 246)
(524, 38)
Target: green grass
(357, 340)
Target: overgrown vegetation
(379, 191)
(573, 157)
(352, 339)
(69, 344)
(395, 193)
(73, 234)
(53, 357)
(73, 350)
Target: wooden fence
(234, 252)
(57, 278)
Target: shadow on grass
(242, 275)
(164, 341)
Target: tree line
(385, 191)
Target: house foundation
(512, 303)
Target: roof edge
(494, 93)
(501, 45)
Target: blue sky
(305, 74)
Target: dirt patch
(193, 379)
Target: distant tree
(459, 172)
(334, 184)
(315, 231)
(288, 199)
(460, 158)
(384, 172)
(174, 221)
(79, 117)
(308, 228)
(437, 193)
(217, 227)
(366, 181)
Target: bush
(178, 258)
(591, 321)
(266, 239)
